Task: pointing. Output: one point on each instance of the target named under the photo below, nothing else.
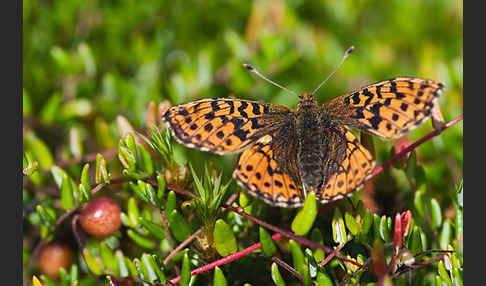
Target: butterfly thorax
(309, 156)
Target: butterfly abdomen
(309, 156)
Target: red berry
(52, 257)
(101, 217)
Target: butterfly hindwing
(260, 174)
(221, 125)
(346, 167)
(388, 108)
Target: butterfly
(288, 153)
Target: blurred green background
(88, 61)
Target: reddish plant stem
(181, 246)
(330, 256)
(299, 239)
(167, 235)
(388, 268)
(416, 265)
(87, 158)
(226, 259)
(433, 251)
(74, 228)
(346, 280)
(180, 191)
(288, 268)
(414, 145)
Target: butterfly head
(306, 100)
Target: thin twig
(181, 246)
(167, 235)
(288, 268)
(330, 256)
(415, 145)
(433, 251)
(299, 239)
(346, 280)
(416, 265)
(87, 158)
(74, 228)
(180, 191)
(227, 259)
(231, 199)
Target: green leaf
(74, 273)
(75, 144)
(224, 239)
(185, 271)
(141, 240)
(67, 193)
(170, 204)
(84, 189)
(152, 259)
(94, 263)
(153, 228)
(179, 226)
(102, 176)
(459, 222)
(418, 200)
(268, 246)
(351, 223)
(298, 260)
(435, 213)
(104, 135)
(445, 234)
(219, 279)
(50, 111)
(276, 276)
(127, 158)
(133, 212)
(366, 222)
(443, 273)
(48, 281)
(36, 281)
(122, 266)
(150, 267)
(311, 263)
(131, 267)
(160, 187)
(48, 219)
(40, 151)
(384, 229)
(139, 191)
(63, 277)
(323, 279)
(305, 218)
(108, 258)
(415, 241)
(316, 236)
(338, 228)
(459, 192)
(149, 193)
(142, 272)
(146, 161)
(58, 174)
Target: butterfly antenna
(255, 71)
(346, 54)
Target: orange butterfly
(287, 153)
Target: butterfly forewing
(222, 125)
(388, 108)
